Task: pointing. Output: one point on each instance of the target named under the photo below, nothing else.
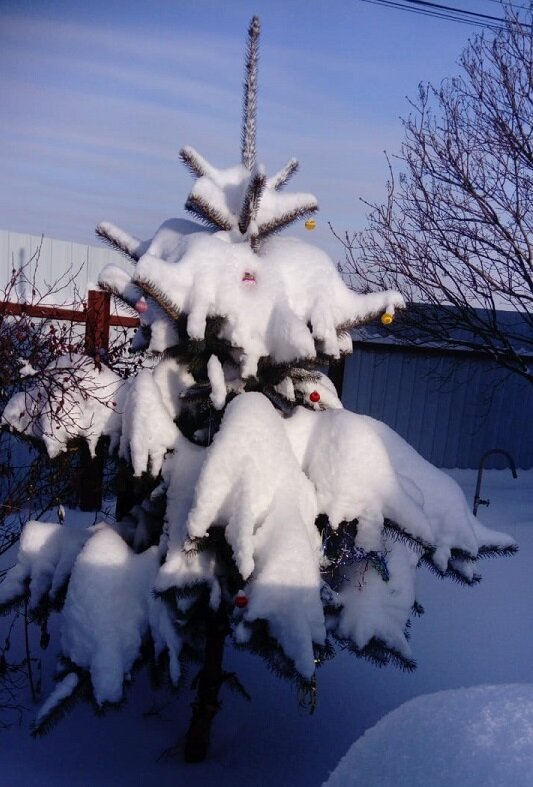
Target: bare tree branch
(457, 225)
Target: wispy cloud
(93, 113)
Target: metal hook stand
(478, 501)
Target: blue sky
(97, 98)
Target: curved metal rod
(477, 499)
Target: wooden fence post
(97, 346)
(97, 323)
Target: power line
(462, 11)
(438, 11)
(508, 4)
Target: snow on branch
(47, 552)
(217, 278)
(260, 486)
(116, 281)
(105, 638)
(196, 165)
(279, 221)
(252, 484)
(249, 112)
(155, 292)
(145, 441)
(251, 200)
(206, 212)
(129, 245)
(232, 198)
(277, 181)
(73, 397)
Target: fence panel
(57, 258)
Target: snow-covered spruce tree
(259, 510)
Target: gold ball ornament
(386, 318)
(310, 224)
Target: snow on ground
(468, 637)
(483, 735)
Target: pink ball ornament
(141, 306)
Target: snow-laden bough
(255, 505)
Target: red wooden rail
(96, 315)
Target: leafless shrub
(457, 226)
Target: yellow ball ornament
(310, 224)
(386, 318)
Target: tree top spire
(249, 110)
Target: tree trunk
(210, 680)
(91, 476)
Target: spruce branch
(279, 401)
(282, 177)
(159, 297)
(141, 340)
(128, 301)
(417, 609)
(380, 654)
(249, 112)
(342, 333)
(264, 645)
(301, 374)
(399, 534)
(497, 551)
(462, 554)
(251, 200)
(280, 222)
(233, 683)
(206, 213)
(119, 240)
(450, 573)
(81, 690)
(193, 161)
(14, 604)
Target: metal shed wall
(451, 407)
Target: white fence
(49, 260)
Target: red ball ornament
(141, 306)
(240, 601)
(314, 396)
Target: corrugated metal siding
(450, 408)
(56, 258)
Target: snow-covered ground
(481, 735)
(468, 637)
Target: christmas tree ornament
(141, 306)
(310, 224)
(240, 600)
(314, 396)
(387, 318)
